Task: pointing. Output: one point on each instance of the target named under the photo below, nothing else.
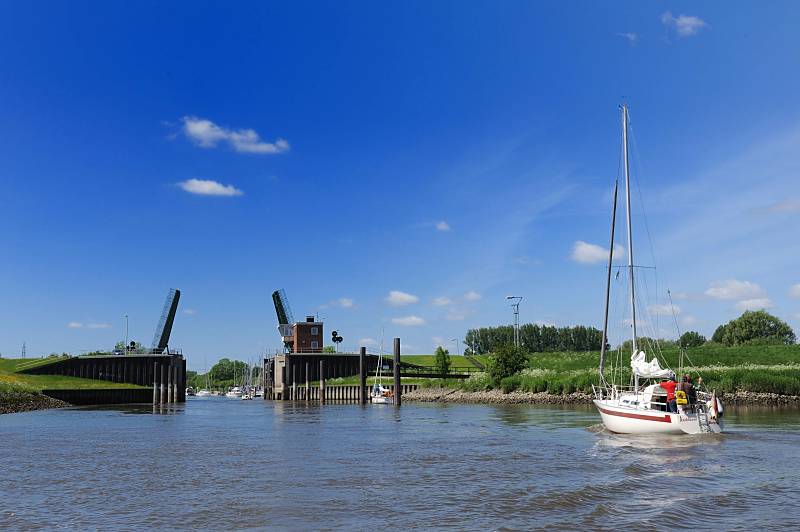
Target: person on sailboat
(688, 387)
(670, 386)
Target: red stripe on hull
(665, 419)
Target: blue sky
(452, 152)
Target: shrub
(509, 384)
(691, 339)
(507, 361)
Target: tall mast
(608, 283)
(628, 215)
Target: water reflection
(222, 463)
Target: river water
(226, 464)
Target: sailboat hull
(627, 420)
(624, 420)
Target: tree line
(534, 338)
(751, 328)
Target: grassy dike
(755, 374)
(20, 392)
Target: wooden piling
(362, 376)
(308, 381)
(170, 383)
(294, 382)
(163, 384)
(155, 383)
(396, 370)
(183, 380)
(322, 382)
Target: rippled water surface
(226, 464)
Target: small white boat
(380, 395)
(642, 408)
(203, 393)
(190, 392)
(234, 393)
(247, 397)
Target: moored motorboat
(234, 393)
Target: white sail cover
(649, 370)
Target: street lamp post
(515, 305)
(455, 343)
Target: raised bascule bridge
(288, 375)
(158, 366)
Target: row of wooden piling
(338, 393)
(341, 393)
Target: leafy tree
(328, 349)
(691, 339)
(507, 361)
(757, 327)
(718, 335)
(225, 369)
(442, 360)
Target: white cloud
(437, 341)
(98, 326)
(442, 226)
(586, 253)
(189, 311)
(664, 310)
(396, 298)
(368, 342)
(688, 320)
(455, 315)
(781, 207)
(632, 38)
(442, 301)
(207, 134)
(409, 321)
(758, 303)
(794, 290)
(345, 302)
(733, 289)
(472, 295)
(208, 187)
(684, 25)
(74, 325)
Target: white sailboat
(205, 392)
(380, 395)
(641, 408)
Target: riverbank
(12, 402)
(450, 395)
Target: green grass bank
(20, 392)
(768, 369)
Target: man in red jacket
(669, 386)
